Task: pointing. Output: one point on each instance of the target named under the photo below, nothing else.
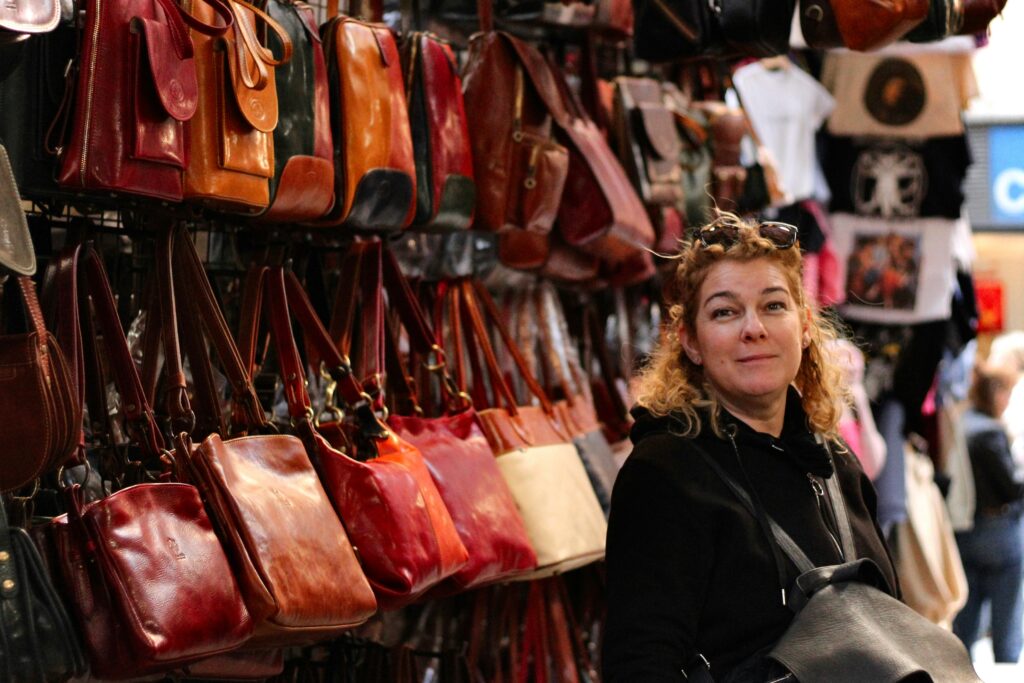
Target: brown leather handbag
(231, 144)
(295, 565)
(858, 25)
(135, 89)
(647, 141)
(374, 172)
(520, 168)
(302, 188)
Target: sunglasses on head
(781, 235)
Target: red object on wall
(990, 304)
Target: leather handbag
(297, 570)
(302, 187)
(135, 89)
(882, 638)
(146, 574)
(944, 18)
(694, 157)
(531, 444)
(859, 26)
(374, 170)
(978, 14)
(445, 190)
(669, 30)
(456, 453)
(17, 19)
(33, 71)
(647, 141)
(40, 642)
(231, 143)
(520, 169)
(43, 416)
(756, 28)
(16, 251)
(380, 487)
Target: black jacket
(689, 569)
(996, 480)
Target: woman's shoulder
(662, 446)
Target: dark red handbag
(135, 88)
(391, 508)
(148, 579)
(297, 569)
(445, 191)
(456, 452)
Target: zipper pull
(816, 486)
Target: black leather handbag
(667, 30)
(848, 627)
(37, 641)
(756, 28)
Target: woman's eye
(720, 312)
(776, 306)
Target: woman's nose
(753, 328)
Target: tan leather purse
(374, 171)
(231, 152)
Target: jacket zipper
(819, 495)
(93, 50)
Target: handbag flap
(16, 252)
(29, 16)
(174, 74)
(539, 74)
(657, 127)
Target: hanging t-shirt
(896, 178)
(896, 272)
(917, 95)
(786, 107)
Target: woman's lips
(759, 357)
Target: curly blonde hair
(671, 383)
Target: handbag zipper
(819, 496)
(93, 50)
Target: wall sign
(1006, 174)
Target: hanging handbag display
(445, 190)
(135, 87)
(533, 449)
(837, 23)
(374, 172)
(647, 141)
(296, 567)
(882, 639)
(519, 168)
(40, 643)
(756, 28)
(381, 487)
(111, 549)
(456, 453)
(302, 187)
(695, 156)
(667, 30)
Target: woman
(991, 551)
(742, 374)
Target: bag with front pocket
(647, 140)
(231, 142)
(136, 86)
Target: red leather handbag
(302, 188)
(297, 570)
(391, 507)
(148, 579)
(135, 88)
(446, 193)
(456, 452)
(374, 172)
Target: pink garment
(830, 291)
(849, 429)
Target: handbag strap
(839, 510)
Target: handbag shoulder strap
(839, 511)
(785, 541)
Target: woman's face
(750, 332)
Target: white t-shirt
(786, 106)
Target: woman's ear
(689, 346)
(805, 338)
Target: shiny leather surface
(297, 570)
(461, 463)
(36, 396)
(239, 665)
(231, 147)
(978, 14)
(39, 641)
(149, 581)
(375, 176)
(396, 518)
(524, 249)
(868, 26)
(302, 188)
(136, 84)
(509, 195)
(446, 192)
(29, 16)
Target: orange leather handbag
(230, 137)
(374, 172)
(302, 188)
